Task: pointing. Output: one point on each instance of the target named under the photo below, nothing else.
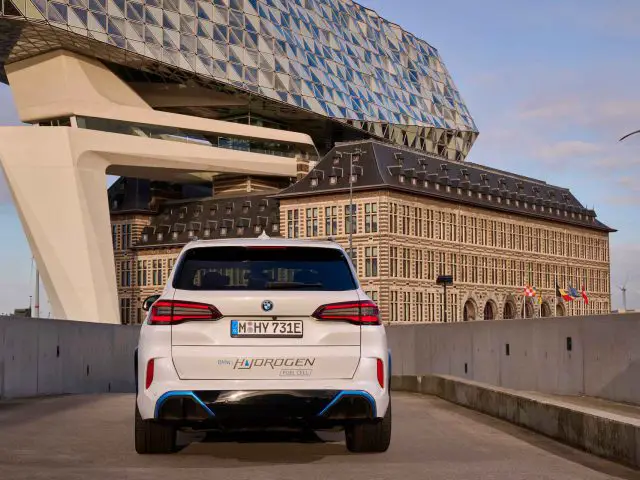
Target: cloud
(569, 149)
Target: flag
(563, 293)
(530, 291)
(584, 296)
(573, 292)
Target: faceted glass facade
(333, 58)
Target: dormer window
(174, 235)
(508, 201)
(206, 232)
(262, 207)
(489, 197)
(414, 181)
(517, 203)
(469, 193)
(448, 189)
(190, 233)
(240, 231)
(437, 186)
(114, 204)
(426, 184)
(459, 191)
(354, 178)
(314, 183)
(145, 237)
(213, 211)
(275, 227)
(499, 199)
(160, 237)
(257, 229)
(333, 180)
(229, 209)
(223, 231)
(245, 209)
(401, 178)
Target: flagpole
(555, 304)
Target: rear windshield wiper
(293, 286)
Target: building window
(331, 221)
(125, 310)
(406, 263)
(394, 306)
(419, 303)
(393, 218)
(351, 219)
(142, 273)
(371, 261)
(125, 236)
(418, 265)
(417, 222)
(223, 231)
(312, 222)
(158, 274)
(393, 262)
(125, 273)
(293, 217)
(406, 306)
(114, 236)
(275, 227)
(373, 295)
(405, 219)
(370, 217)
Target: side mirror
(149, 301)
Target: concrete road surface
(91, 437)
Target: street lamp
(445, 280)
(355, 154)
(629, 135)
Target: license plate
(266, 329)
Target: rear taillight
(171, 312)
(361, 313)
(149, 374)
(380, 373)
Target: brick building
(414, 216)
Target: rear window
(260, 268)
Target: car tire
(152, 437)
(370, 437)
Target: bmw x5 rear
(261, 334)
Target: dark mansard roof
(379, 165)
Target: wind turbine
(623, 289)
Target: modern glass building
(330, 68)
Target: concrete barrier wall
(49, 357)
(604, 359)
(45, 356)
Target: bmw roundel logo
(267, 305)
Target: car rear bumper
(263, 408)
(228, 402)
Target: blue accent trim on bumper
(178, 393)
(345, 393)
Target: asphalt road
(91, 437)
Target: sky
(552, 86)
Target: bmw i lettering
(258, 334)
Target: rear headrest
(215, 280)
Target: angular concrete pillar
(57, 175)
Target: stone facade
(402, 242)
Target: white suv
(260, 333)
